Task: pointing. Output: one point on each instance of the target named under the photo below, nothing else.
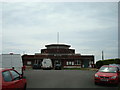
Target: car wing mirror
(22, 77)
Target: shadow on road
(108, 85)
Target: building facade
(60, 54)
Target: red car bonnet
(106, 74)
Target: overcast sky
(89, 27)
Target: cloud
(90, 25)
(0, 27)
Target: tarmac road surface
(62, 79)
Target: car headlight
(96, 75)
(113, 77)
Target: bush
(117, 61)
(99, 64)
(107, 62)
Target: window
(37, 62)
(6, 76)
(70, 63)
(90, 62)
(28, 62)
(15, 75)
(67, 63)
(77, 62)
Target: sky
(89, 27)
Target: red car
(11, 79)
(107, 74)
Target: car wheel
(96, 83)
(116, 84)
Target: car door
(16, 79)
(119, 75)
(7, 80)
(118, 71)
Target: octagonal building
(62, 54)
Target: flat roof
(57, 45)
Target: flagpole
(57, 37)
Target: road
(62, 79)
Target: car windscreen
(108, 69)
(117, 65)
(57, 64)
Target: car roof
(1, 69)
(4, 69)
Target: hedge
(107, 62)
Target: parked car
(57, 67)
(36, 66)
(11, 79)
(107, 74)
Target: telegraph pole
(102, 55)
